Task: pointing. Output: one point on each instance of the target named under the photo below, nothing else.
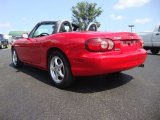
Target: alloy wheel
(57, 69)
(14, 58)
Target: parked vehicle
(152, 40)
(64, 53)
(3, 43)
(13, 39)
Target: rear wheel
(15, 60)
(59, 70)
(1, 47)
(155, 51)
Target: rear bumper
(103, 63)
(4, 43)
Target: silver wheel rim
(14, 58)
(57, 70)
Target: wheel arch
(51, 50)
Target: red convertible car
(54, 46)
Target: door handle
(157, 33)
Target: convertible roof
(47, 22)
(53, 21)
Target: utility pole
(131, 26)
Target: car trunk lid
(126, 41)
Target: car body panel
(103, 63)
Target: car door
(31, 50)
(156, 38)
(34, 44)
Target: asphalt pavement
(28, 94)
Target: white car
(152, 40)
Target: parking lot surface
(28, 94)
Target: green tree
(84, 13)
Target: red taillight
(142, 42)
(99, 45)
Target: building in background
(14, 35)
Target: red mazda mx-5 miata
(56, 47)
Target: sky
(117, 14)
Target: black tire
(154, 51)
(117, 72)
(60, 70)
(1, 46)
(15, 60)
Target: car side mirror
(25, 35)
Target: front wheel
(15, 60)
(155, 51)
(59, 70)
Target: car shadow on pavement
(90, 84)
(94, 84)
(153, 54)
(38, 74)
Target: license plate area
(129, 45)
